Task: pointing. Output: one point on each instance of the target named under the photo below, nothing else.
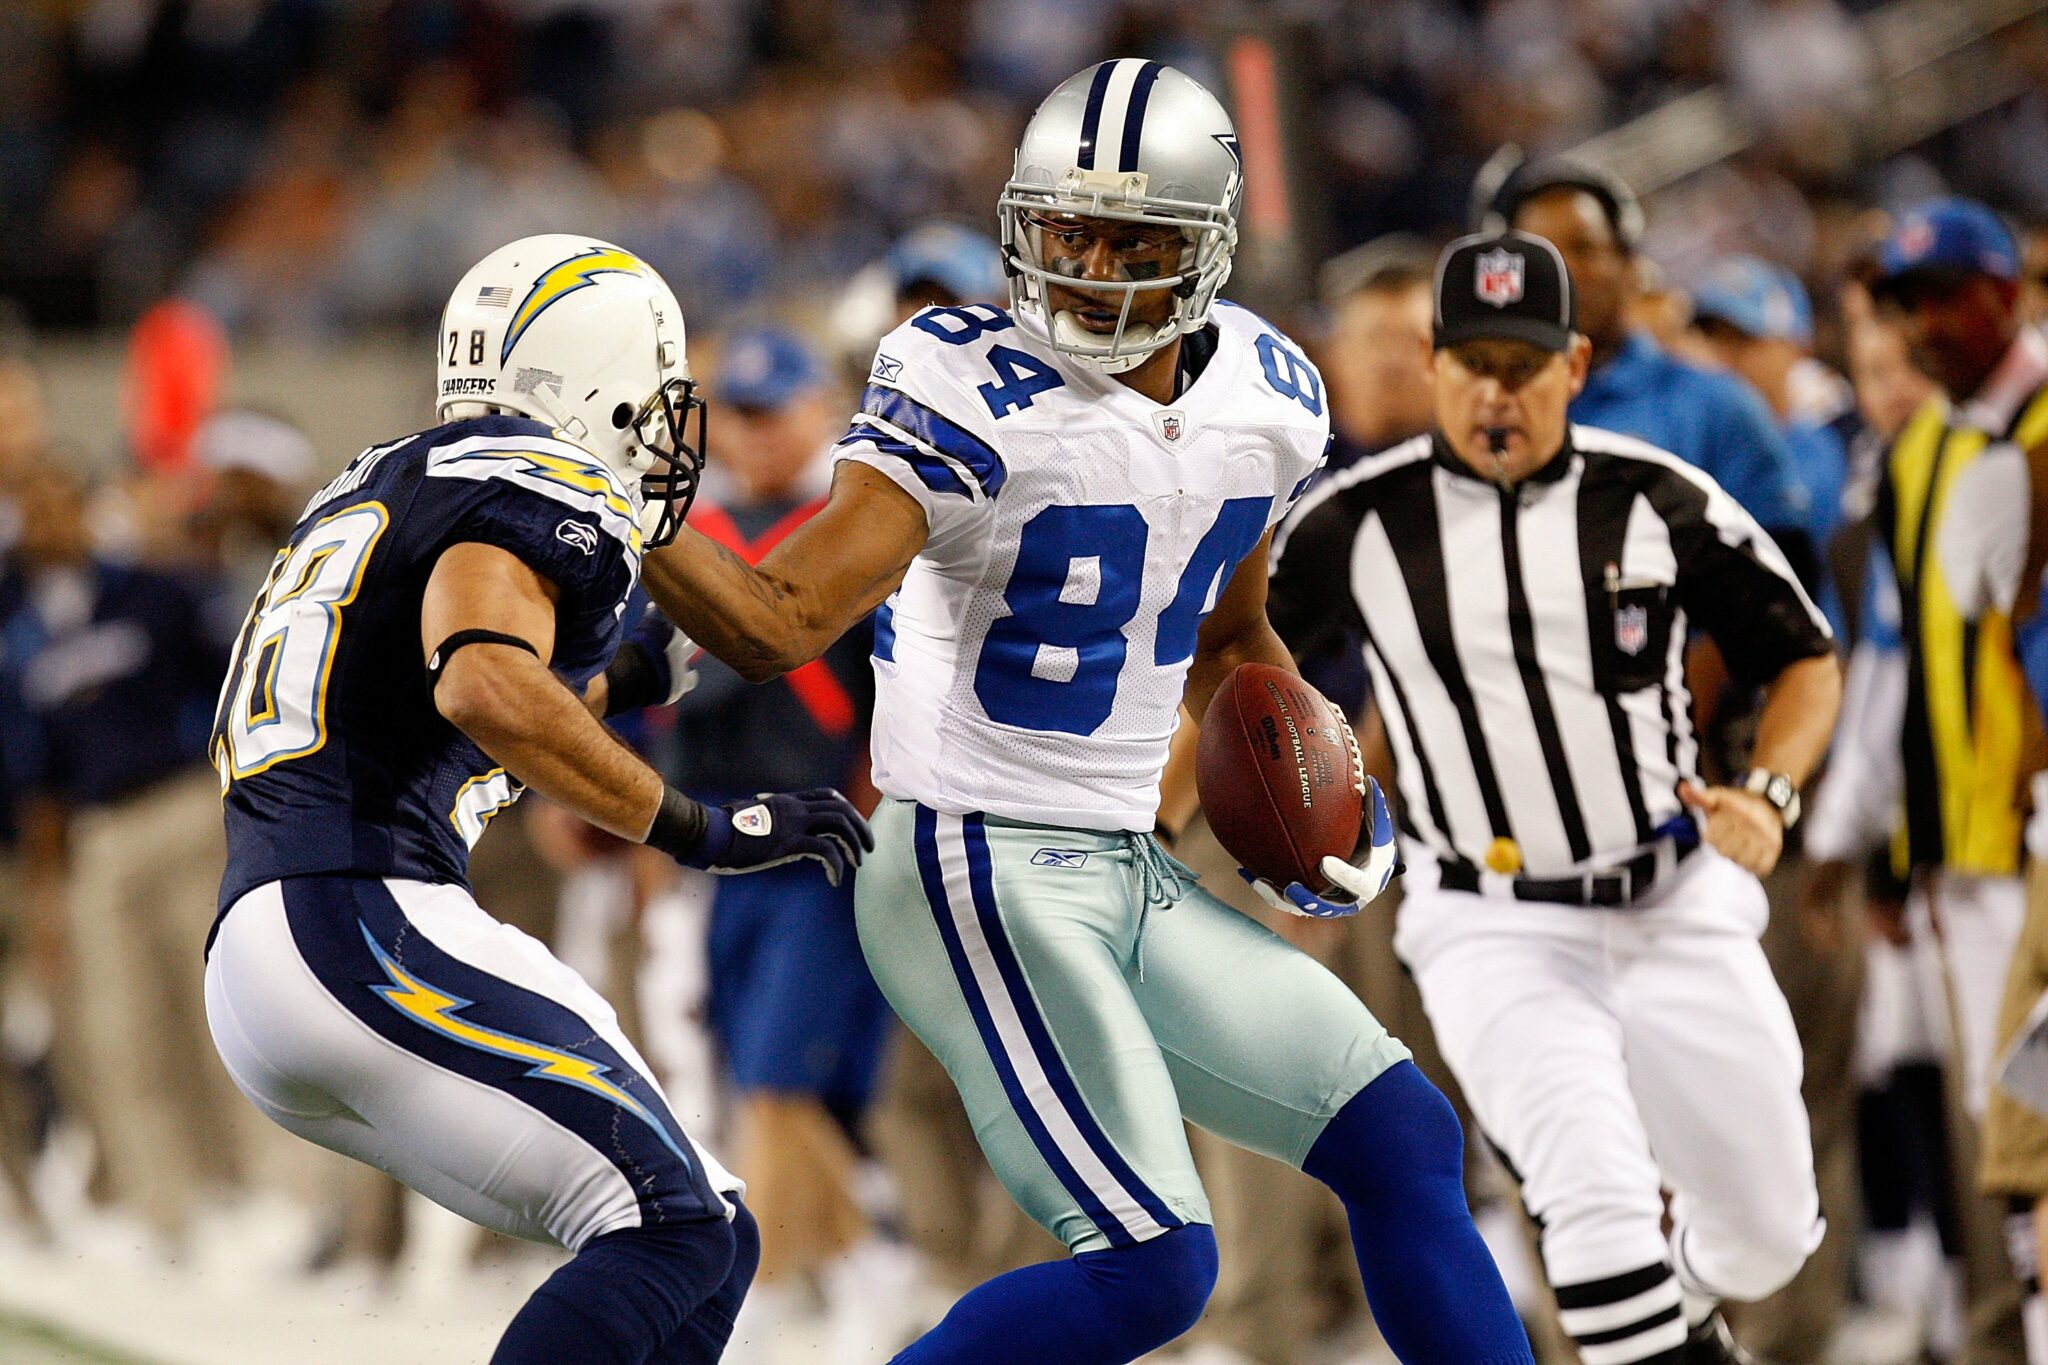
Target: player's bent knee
(1747, 1263)
(1397, 1139)
(1158, 1287)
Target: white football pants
(1611, 1054)
(397, 1023)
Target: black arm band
(679, 825)
(437, 662)
(630, 680)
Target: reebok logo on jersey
(887, 367)
(1059, 857)
(581, 534)
(754, 820)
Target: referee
(1589, 963)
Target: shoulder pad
(920, 391)
(534, 460)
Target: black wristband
(679, 825)
(631, 680)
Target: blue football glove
(1365, 880)
(776, 828)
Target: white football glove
(1364, 879)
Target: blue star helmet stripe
(1134, 119)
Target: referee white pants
(1612, 1054)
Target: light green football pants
(1085, 995)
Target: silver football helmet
(1137, 142)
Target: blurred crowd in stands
(803, 172)
(304, 166)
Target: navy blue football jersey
(332, 755)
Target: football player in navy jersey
(443, 629)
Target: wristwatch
(1781, 791)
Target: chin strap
(1077, 341)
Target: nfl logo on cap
(1498, 277)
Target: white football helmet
(586, 337)
(1138, 142)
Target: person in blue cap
(935, 264)
(797, 1016)
(1757, 321)
(1705, 417)
(1754, 317)
(1953, 538)
(1952, 274)
(944, 263)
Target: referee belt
(1609, 887)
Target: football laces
(1357, 755)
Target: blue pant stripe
(930, 873)
(980, 877)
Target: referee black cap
(1505, 284)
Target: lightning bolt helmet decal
(559, 281)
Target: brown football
(1278, 776)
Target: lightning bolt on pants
(397, 1023)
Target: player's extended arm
(504, 697)
(768, 618)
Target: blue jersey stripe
(885, 631)
(1091, 117)
(921, 423)
(933, 472)
(929, 873)
(1134, 120)
(974, 834)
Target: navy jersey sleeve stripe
(933, 472)
(935, 432)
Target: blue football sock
(1395, 1155)
(702, 1337)
(624, 1295)
(1098, 1308)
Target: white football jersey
(1031, 665)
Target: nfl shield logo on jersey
(1631, 629)
(1170, 424)
(1499, 278)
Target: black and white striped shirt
(1527, 649)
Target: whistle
(1497, 442)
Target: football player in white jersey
(1062, 511)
